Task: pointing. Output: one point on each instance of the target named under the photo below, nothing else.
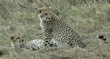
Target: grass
(12, 28)
(87, 18)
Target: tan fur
(17, 37)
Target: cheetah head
(45, 14)
(17, 40)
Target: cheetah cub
(56, 30)
(17, 41)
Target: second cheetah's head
(17, 40)
(45, 14)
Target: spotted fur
(17, 41)
(57, 31)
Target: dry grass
(88, 18)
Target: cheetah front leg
(47, 37)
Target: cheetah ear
(39, 11)
(12, 37)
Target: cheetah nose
(49, 18)
(22, 40)
(52, 17)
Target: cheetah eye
(50, 13)
(46, 14)
(40, 11)
(18, 37)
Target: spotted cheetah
(56, 30)
(18, 41)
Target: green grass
(12, 28)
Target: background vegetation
(88, 18)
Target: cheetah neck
(41, 22)
(12, 44)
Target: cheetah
(18, 41)
(56, 30)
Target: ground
(89, 19)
